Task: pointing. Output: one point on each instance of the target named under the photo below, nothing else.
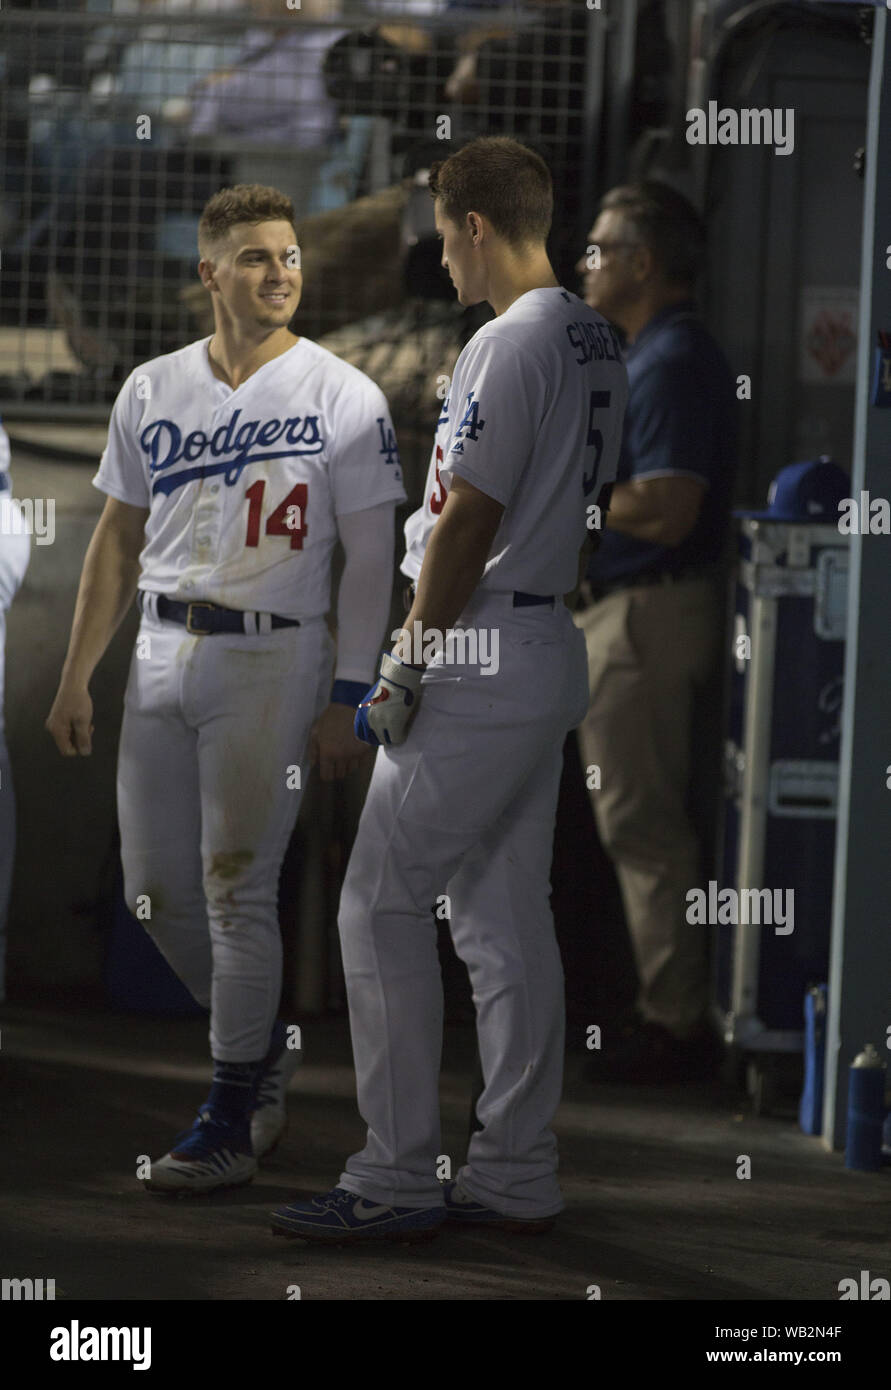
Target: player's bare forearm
(107, 588)
(107, 585)
(454, 561)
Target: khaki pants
(652, 651)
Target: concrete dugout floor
(655, 1210)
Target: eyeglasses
(614, 245)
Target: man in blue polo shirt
(653, 614)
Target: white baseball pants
(212, 725)
(465, 806)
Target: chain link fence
(118, 121)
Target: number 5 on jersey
(288, 518)
(599, 401)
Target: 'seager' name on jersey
(533, 419)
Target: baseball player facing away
(463, 795)
(231, 468)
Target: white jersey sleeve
(498, 399)
(122, 469)
(365, 469)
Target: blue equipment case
(781, 781)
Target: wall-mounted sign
(828, 334)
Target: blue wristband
(348, 693)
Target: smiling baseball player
(463, 797)
(231, 469)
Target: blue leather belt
(202, 618)
(521, 600)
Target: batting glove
(391, 704)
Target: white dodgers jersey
(244, 486)
(533, 419)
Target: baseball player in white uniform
(232, 467)
(15, 552)
(463, 796)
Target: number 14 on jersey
(287, 519)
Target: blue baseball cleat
(464, 1210)
(341, 1218)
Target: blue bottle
(866, 1111)
(810, 1109)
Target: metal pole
(593, 112)
(619, 84)
(860, 968)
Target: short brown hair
(505, 181)
(666, 223)
(246, 202)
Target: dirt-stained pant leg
(213, 729)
